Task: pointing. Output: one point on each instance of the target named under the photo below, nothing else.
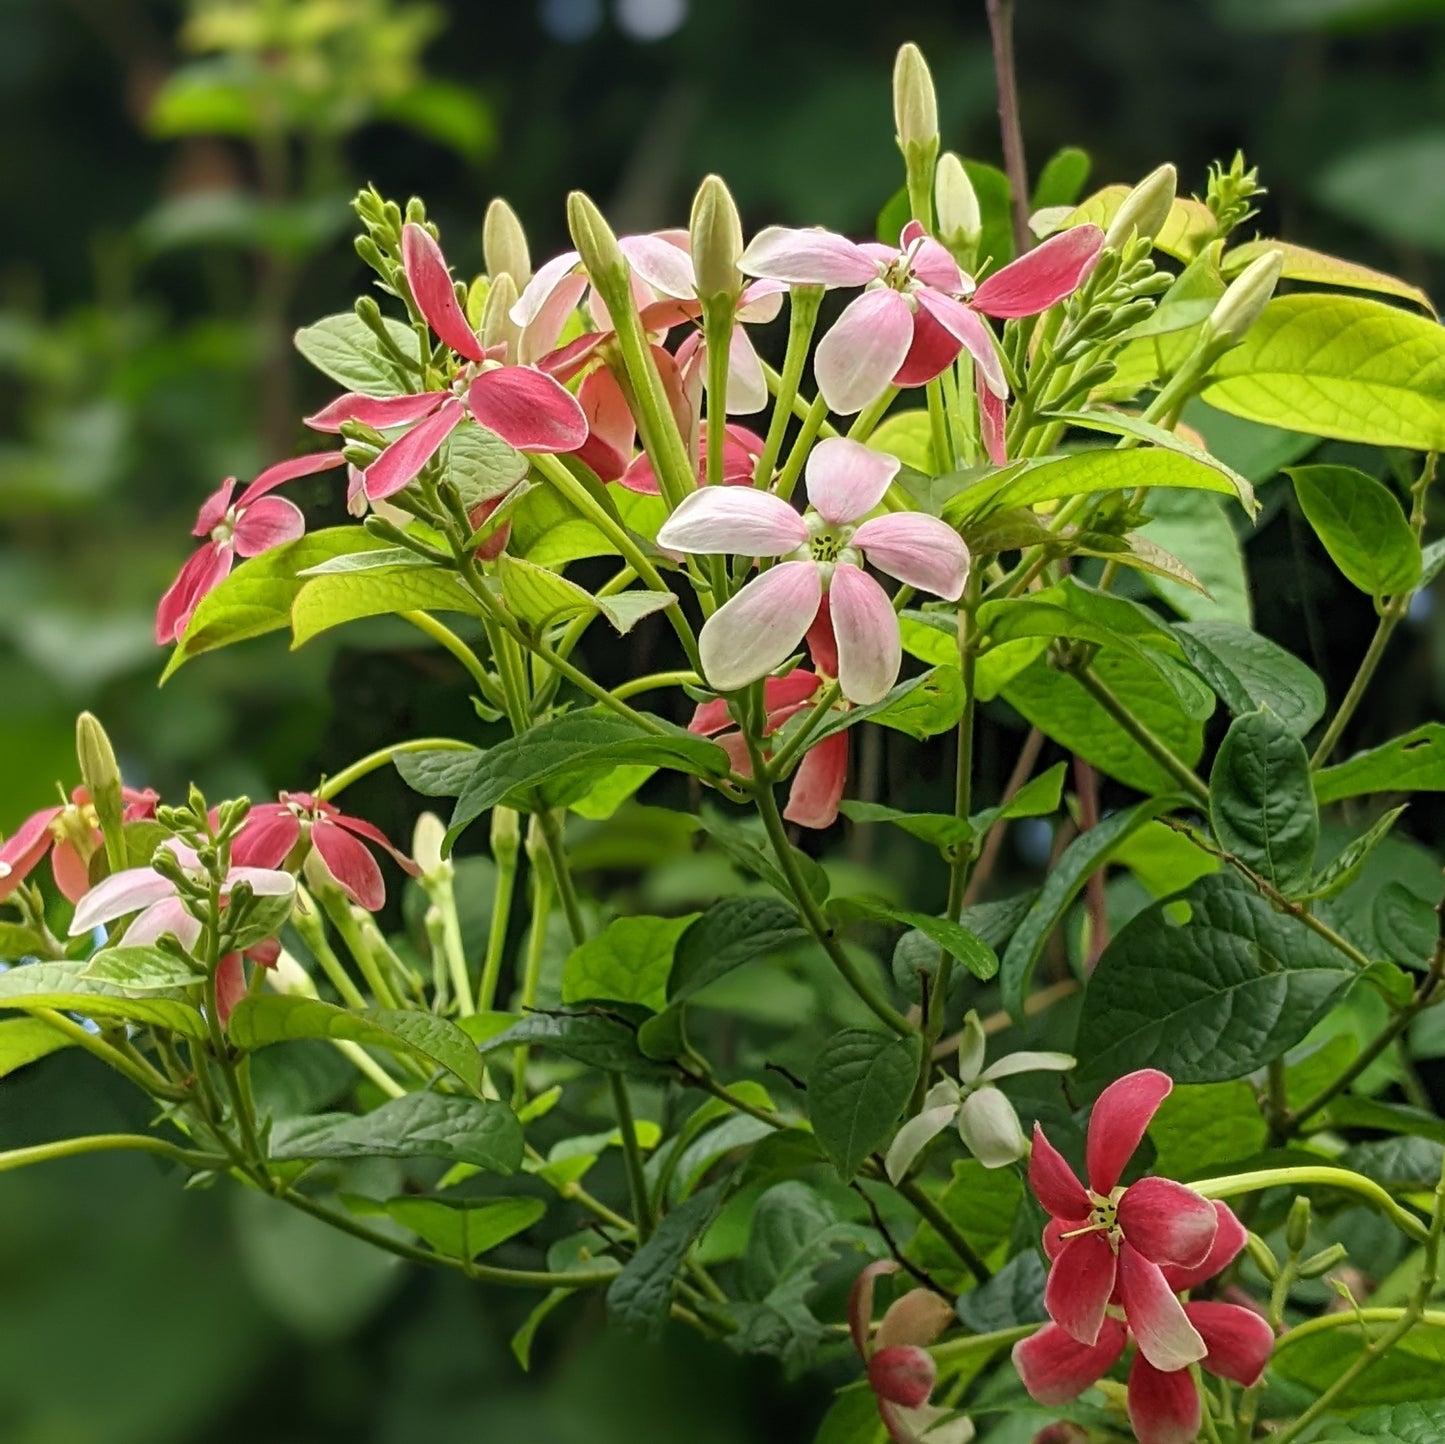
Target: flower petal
(1046, 274)
(24, 848)
(933, 349)
(214, 508)
(230, 985)
(1238, 1340)
(167, 916)
(540, 334)
(266, 837)
(1124, 1110)
(373, 834)
(1054, 1183)
(992, 417)
(870, 649)
(915, 1320)
(806, 257)
(1166, 1337)
(350, 862)
(122, 892)
(545, 279)
(406, 456)
(918, 549)
(1080, 1285)
(1229, 1240)
(1055, 1367)
(610, 428)
(914, 1137)
(1167, 1222)
(860, 1301)
(267, 523)
(747, 386)
(927, 1424)
(761, 302)
(665, 267)
(1027, 1062)
(263, 881)
(762, 625)
(902, 1375)
(528, 409)
(203, 571)
(989, 1126)
(931, 263)
(431, 286)
(718, 520)
(289, 470)
(822, 643)
(1163, 1406)
(382, 412)
(846, 479)
(818, 783)
(963, 322)
(70, 871)
(862, 352)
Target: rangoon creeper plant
(973, 465)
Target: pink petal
(862, 352)
(567, 361)
(718, 520)
(528, 409)
(1238, 1340)
(1055, 1367)
(846, 479)
(640, 477)
(267, 836)
(762, 625)
(267, 523)
(992, 417)
(70, 871)
(784, 694)
(870, 650)
(24, 848)
(747, 386)
(664, 267)
(902, 1375)
(761, 301)
(167, 916)
(289, 470)
(214, 508)
(860, 1301)
(1166, 1337)
(400, 462)
(381, 412)
(1054, 1182)
(741, 450)
(431, 286)
(374, 834)
(822, 642)
(1229, 1240)
(351, 864)
(807, 257)
(933, 350)
(1080, 1285)
(540, 334)
(539, 289)
(610, 428)
(918, 549)
(933, 265)
(203, 571)
(122, 892)
(1163, 1407)
(1167, 1222)
(970, 329)
(818, 783)
(1046, 274)
(230, 985)
(263, 881)
(709, 718)
(1124, 1110)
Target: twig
(1001, 28)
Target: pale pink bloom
(254, 523)
(526, 407)
(918, 310)
(823, 552)
(71, 835)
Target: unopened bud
(504, 244)
(492, 546)
(1145, 208)
(99, 770)
(506, 835)
(1248, 294)
(286, 975)
(497, 326)
(716, 235)
(960, 224)
(1297, 1225)
(371, 253)
(426, 844)
(595, 240)
(1262, 1256)
(1063, 1432)
(1323, 1261)
(915, 105)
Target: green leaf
(1342, 367)
(65, 987)
(266, 1018)
(1261, 800)
(420, 1125)
(596, 1039)
(27, 1040)
(629, 962)
(908, 436)
(1303, 264)
(735, 931)
(968, 948)
(1362, 527)
(522, 1339)
(982, 1204)
(551, 532)
(1413, 762)
(1201, 1127)
(437, 772)
(857, 1089)
(1062, 179)
(344, 348)
(538, 596)
(329, 601)
(466, 1230)
(1080, 860)
(1192, 526)
(141, 970)
(1208, 999)
(1422, 1423)
(940, 829)
(1409, 1372)
(18, 941)
(1349, 862)
(1189, 227)
(640, 1296)
(1013, 1296)
(746, 847)
(921, 706)
(1249, 672)
(481, 465)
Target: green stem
(551, 831)
(1232, 1185)
(1324, 1322)
(955, 1351)
(1390, 618)
(802, 738)
(866, 422)
(532, 974)
(383, 757)
(425, 622)
(802, 445)
(803, 306)
(632, 1153)
(441, 890)
(926, 1209)
(107, 1143)
(654, 682)
(338, 910)
(502, 895)
(306, 919)
(136, 1069)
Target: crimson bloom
(71, 835)
(272, 830)
(254, 523)
(1164, 1405)
(1107, 1241)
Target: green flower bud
(1248, 294)
(1145, 208)
(506, 835)
(497, 325)
(596, 243)
(426, 846)
(960, 225)
(1323, 1261)
(504, 244)
(1297, 1226)
(1262, 1256)
(99, 770)
(915, 105)
(716, 232)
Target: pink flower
(526, 407)
(253, 524)
(71, 835)
(741, 450)
(231, 984)
(272, 830)
(1106, 1239)
(918, 310)
(824, 549)
(1164, 1405)
(901, 1371)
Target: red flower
(71, 835)
(1163, 1403)
(272, 830)
(1107, 1241)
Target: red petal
(230, 985)
(284, 471)
(992, 416)
(933, 351)
(1229, 1239)
(203, 571)
(860, 1302)
(382, 412)
(1055, 1367)
(406, 456)
(267, 836)
(1046, 274)
(1158, 1320)
(818, 783)
(822, 641)
(1080, 1285)
(1238, 1340)
(528, 409)
(214, 508)
(267, 523)
(374, 834)
(1124, 1110)
(1167, 1222)
(70, 870)
(431, 285)
(903, 1375)
(349, 862)
(24, 848)
(1054, 1183)
(1163, 1407)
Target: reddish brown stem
(1001, 27)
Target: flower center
(1103, 1218)
(77, 825)
(225, 529)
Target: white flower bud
(1248, 294)
(716, 238)
(504, 244)
(959, 222)
(990, 1127)
(915, 106)
(1144, 209)
(426, 845)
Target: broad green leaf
(466, 1230)
(1422, 1423)
(388, 559)
(1080, 860)
(1164, 860)
(1187, 303)
(329, 601)
(1191, 224)
(539, 596)
(266, 1018)
(968, 948)
(1192, 526)
(1063, 177)
(64, 986)
(1414, 762)
(732, 932)
(1013, 1296)
(857, 1089)
(27, 1040)
(18, 941)
(437, 772)
(1249, 671)
(921, 706)
(1349, 862)
(1261, 802)
(1409, 1372)
(597, 1039)
(1362, 527)
(481, 465)
(908, 436)
(982, 1204)
(551, 532)
(1303, 264)
(522, 1339)
(1342, 367)
(939, 829)
(640, 1296)
(628, 962)
(610, 791)
(1201, 1127)
(932, 637)
(141, 970)
(344, 348)
(420, 1125)
(1171, 995)
(748, 848)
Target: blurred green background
(176, 178)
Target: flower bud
(959, 222)
(99, 770)
(504, 244)
(716, 234)
(1248, 294)
(1063, 1432)
(915, 106)
(971, 1045)
(1323, 1261)
(426, 844)
(595, 240)
(1297, 1225)
(497, 326)
(1144, 209)
(1262, 1256)
(286, 975)
(494, 545)
(506, 835)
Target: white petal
(760, 627)
(121, 893)
(806, 257)
(990, 1128)
(914, 1137)
(857, 359)
(1026, 1062)
(870, 650)
(918, 549)
(721, 520)
(971, 1045)
(846, 479)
